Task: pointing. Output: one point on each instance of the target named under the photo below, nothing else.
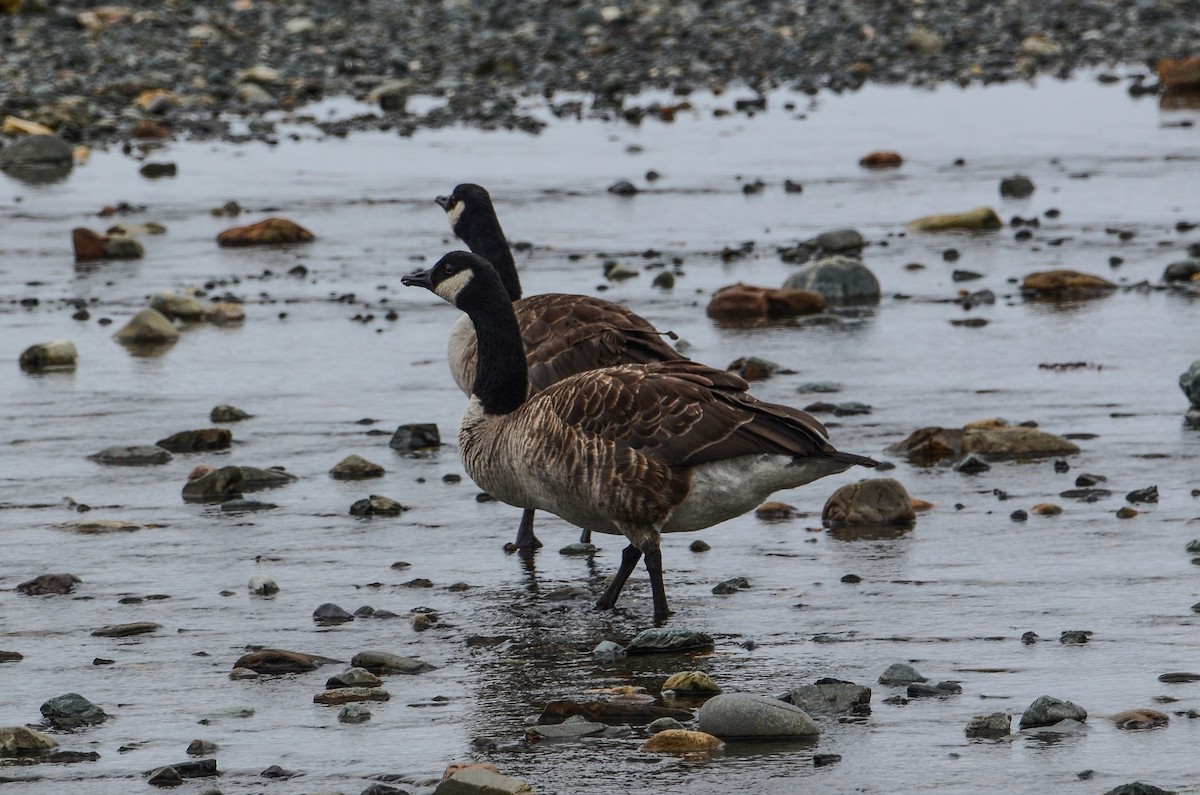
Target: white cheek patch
(454, 213)
(449, 289)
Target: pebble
(699, 546)
(900, 674)
(355, 467)
(1047, 711)
(1016, 187)
(881, 160)
(877, 501)
(682, 741)
(147, 327)
(354, 713)
(972, 464)
(132, 455)
(158, 170)
(623, 188)
(774, 511)
(748, 716)
(54, 355)
(416, 436)
(1046, 509)
(165, 776)
(1148, 494)
(668, 640)
(830, 697)
(997, 724)
(201, 748)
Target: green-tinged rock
(664, 640)
(179, 307)
(70, 711)
(1015, 442)
(1047, 711)
(134, 455)
(147, 326)
(23, 741)
(691, 682)
(478, 781)
(54, 355)
(979, 219)
(382, 662)
(839, 279)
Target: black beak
(419, 279)
(443, 202)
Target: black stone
(416, 436)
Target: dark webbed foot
(526, 540)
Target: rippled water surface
(953, 595)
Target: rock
(839, 279)
(619, 710)
(1148, 494)
(607, 649)
(772, 511)
(831, 697)
(1016, 187)
(377, 505)
(231, 481)
(730, 586)
(201, 748)
(1046, 509)
(132, 455)
(345, 695)
(928, 445)
(837, 241)
(10, 656)
(329, 613)
(1138, 788)
(22, 741)
(623, 187)
(1189, 382)
(1047, 710)
(225, 313)
(1179, 677)
(55, 355)
(752, 368)
(71, 711)
(1015, 442)
(662, 725)
(744, 302)
(177, 307)
(355, 467)
(972, 464)
(280, 661)
(126, 630)
(578, 548)
(165, 776)
(924, 41)
(997, 724)
(1182, 271)
(923, 690)
(881, 159)
(682, 741)
(1065, 284)
(34, 150)
(1179, 72)
(14, 126)
(664, 640)
(392, 96)
(1136, 719)
(197, 441)
(1125, 512)
(699, 546)
(479, 781)
(743, 715)
(148, 128)
(616, 272)
(877, 501)
(455, 767)
(900, 674)
(89, 246)
(1074, 637)
(195, 768)
(147, 327)
(355, 713)
(1040, 46)
(979, 219)
(255, 96)
(665, 280)
(263, 586)
(269, 231)
(45, 584)
(572, 728)
(691, 682)
(380, 662)
(353, 677)
(416, 436)
(157, 170)
(227, 413)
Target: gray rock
(36, 150)
(263, 586)
(165, 776)
(831, 697)
(1047, 710)
(1189, 382)
(23, 741)
(839, 240)
(228, 482)
(355, 467)
(197, 441)
(663, 724)
(1181, 271)
(45, 584)
(998, 724)
(578, 548)
(377, 505)
(177, 307)
(877, 501)
(201, 748)
(900, 674)
(972, 464)
(416, 436)
(354, 713)
(193, 768)
(666, 640)
(71, 711)
(381, 662)
(329, 613)
(147, 327)
(840, 279)
(572, 728)
(227, 413)
(135, 455)
(1016, 187)
(353, 677)
(623, 187)
(480, 781)
(924, 690)
(54, 355)
(606, 649)
(744, 715)
(730, 586)
(820, 387)
(1139, 788)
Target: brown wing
(569, 334)
(683, 413)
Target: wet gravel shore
(84, 69)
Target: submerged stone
(744, 715)
(667, 640)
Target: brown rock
(774, 511)
(610, 711)
(17, 126)
(920, 506)
(682, 741)
(877, 501)
(193, 441)
(147, 128)
(126, 630)
(147, 327)
(691, 682)
(1015, 442)
(199, 471)
(49, 584)
(280, 661)
(743, 301)
(927, 445)
(59, 354)
(1179, 72)
(1140, 719)
(225, 313)
(881, 159)
(355, 467)
(11, 656)
(269, 231)
(23, 741)
(981, 218)
(455, 767)
(1125, 512)
(1066, 284)
(1046, 509)
(344, 695)
(91, 245)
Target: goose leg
(525, 537)
(654, 569)
(585, 537)
(629, 560)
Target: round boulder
(1189, 382)
(744, 715)
(147, 326)
(876, 501)
(840, 279)
(1047, 711)
(58, 354)
(682, 741)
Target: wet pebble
(1138, 788)
(979, 219)
(355, 467)
(878, 501)
(201, 748)
(731, 586)
(377, 505)
(71, 711)
(939, 690)
(165, 776)
(699, 546)
(147, 327)
(205, 439)
(691, 682)
(682, 741)
(280, 661)
(1140, 719)
(416, 436)
(227, 413)
(900, 674)
(1179, 677)
(126, 630)
(997, 724)
(54, 355)
(623, 187)
(667, 640)
(269, 231)
(354, 713)
(572, 728)
(345, 695)
(1047, 711)
(380, 662)
(1074, 637)
(132, 455)
(839, 279)
(744, 715)
(830, 697)
(1016, 187)
(578, 548)
(480, 781)
(1148, 494)
(972, 464)
(774, 511)
(158, 170)
(330, 613)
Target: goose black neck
(481, 231)
(501, 373)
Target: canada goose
(635, 450)
(563, 334)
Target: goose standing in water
(633, 450)
(563, 334)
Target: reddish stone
(881, 159)
(742, 301)
(269, 231)
(1179, 72)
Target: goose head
(459, 278)
(468, 209)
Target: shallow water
(953, 595)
